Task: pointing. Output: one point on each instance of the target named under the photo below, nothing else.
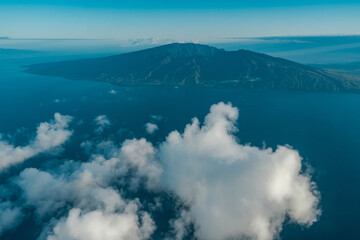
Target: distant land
(302, 49)
(199, 65)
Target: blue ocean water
(323, 127)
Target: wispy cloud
(149, 41)
(101, 122)
(10, 216)
(157, 117)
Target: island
(197, 65)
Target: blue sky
(183, 4)
(177, 20)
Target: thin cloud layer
(49, 135)
(236, 190)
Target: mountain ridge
(188, 64)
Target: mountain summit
(198, 65)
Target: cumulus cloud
(222, 189)
(85, 182)
(151, 128)
(236, 190)
(135, 155)
(83, 200)
(101, 122)
(49, 135)
(86, 195)
(96, 225)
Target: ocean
(323, 127)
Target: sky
(184, 4)
(176, 20)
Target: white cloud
(135, 155)
(49, 135)
(96, 225)
(82, 199)
(97, 209)
(86, 191)
(149, 41)
(157, 117)
(10, 216)
(151, 128)
(81, 188)
(85, 182)
(236, 190)
(181, 224)
(229, 190)
(43, 190)
(102, 122)
(141, 156)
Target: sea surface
(323, 127)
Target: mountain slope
(198, 65)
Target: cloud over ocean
(215, 187)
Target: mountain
(199, 65)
